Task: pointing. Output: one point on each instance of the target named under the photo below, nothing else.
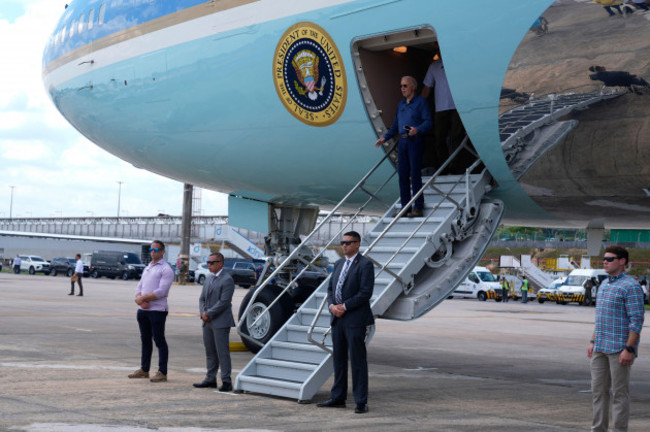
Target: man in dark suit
(215, 307)
(348, 295)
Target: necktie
(339, 284)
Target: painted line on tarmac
(67, 427)
(62, 366)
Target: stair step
(257, 384)
(284, 370)
(292, 351)
(298, 334)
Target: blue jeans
(409, 167)
(152, 326)
(524, 296)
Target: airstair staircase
(418, 262)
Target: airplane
(278, 104)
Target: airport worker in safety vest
(505, 289)
(524, 290)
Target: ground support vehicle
(481, 284)
(573, 289)
(550, 292)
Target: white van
(573, 289)
(478, 284)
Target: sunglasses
(610, 259)
(154, 249)
(348, 242)
(403, 85)
(213, 262)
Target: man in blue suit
(215, 308)
(348, 295)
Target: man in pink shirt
(151, 298)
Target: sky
(54, 170)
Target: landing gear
(271, 319)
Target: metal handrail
(292, 255)
(383, 267)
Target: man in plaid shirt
(613, 346)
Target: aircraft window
(91, 18)
(81, 25)
(72, 27)
(102, 14)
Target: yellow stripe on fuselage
(161, 23)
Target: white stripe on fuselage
(210, 25)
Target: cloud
(55, 171)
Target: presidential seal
(309, 75)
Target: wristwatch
(629, 349)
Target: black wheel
(95, 275)
(541, 300)
(498, 299)
(125, 276)
(32, 271)
(201, 279)
(271, 320)
(53, 272)
(69, 273)
(482, 296)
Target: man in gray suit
(215, 307)
(348, 294)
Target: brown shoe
(139, 374)
(159, 377)
(415, 213)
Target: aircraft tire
(268, 325)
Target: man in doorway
(215, 309)
(615, 341)
(348, 294)
(78, 274)
(412, 121)
(448, 128)
(151, 298)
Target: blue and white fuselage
(189, 89)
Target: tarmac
(466, 366)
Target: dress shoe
(71, 294)
(415, 213)
(205, 384)
(226, 387)
(331, 403)
(361, 409)
(80, 295)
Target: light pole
(119, 196)
(11, 202)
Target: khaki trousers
(607, 373)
